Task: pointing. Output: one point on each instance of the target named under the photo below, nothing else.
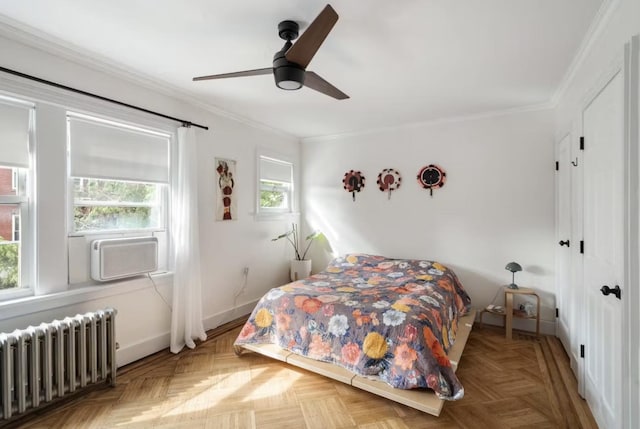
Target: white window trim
(20, 303)
(57, 294)
(263, 213)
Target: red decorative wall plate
(353, 182)
(389, 180)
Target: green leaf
(285, 235)
(313, 235)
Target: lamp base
(513, 286)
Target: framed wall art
(226, 201)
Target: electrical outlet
(245, 271)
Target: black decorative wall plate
(432, 177)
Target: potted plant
(300, 266)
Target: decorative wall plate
(353, 182)
(389, 180)
(432, 177)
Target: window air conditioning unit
(118, 258)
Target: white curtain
(186, 317)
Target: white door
(603, 125)
(565, 244)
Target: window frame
(163, 188)
(273, 213)
(23, 183)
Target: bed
(394, 327)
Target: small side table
(510, 314)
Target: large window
(275, 186)
(15, 123)
(119, 176)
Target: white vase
(300, 269)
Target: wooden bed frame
(422, 400)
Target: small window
(275, 187)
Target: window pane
(101, 205)
(97, 190)
(274, 195)
(8, 181)
(9, 249)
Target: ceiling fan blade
(308, 44)
(313, 81)
(256, 72)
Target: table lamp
(513, 267)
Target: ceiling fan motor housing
(288, 30)
(288, 75)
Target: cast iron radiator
(46, 362)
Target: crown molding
(599, 23)
(34, 38)
(431, 122)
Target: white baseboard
(141, 349)
(223, 317)
(149, 346)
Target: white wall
(497, 205)
(226, 247)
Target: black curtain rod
(99, 97)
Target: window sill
(15, 293)
(117, 232)
(261, 216)
(32, 304)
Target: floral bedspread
(394, 318)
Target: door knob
(564, 243)
(606, 290)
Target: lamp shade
(513, 267)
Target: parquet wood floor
(524, 383)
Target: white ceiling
(400, 62)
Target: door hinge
(581, 143)
(557, 312)
(582, 350)
(581, 246)
(557, 166)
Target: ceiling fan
(290, 63)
